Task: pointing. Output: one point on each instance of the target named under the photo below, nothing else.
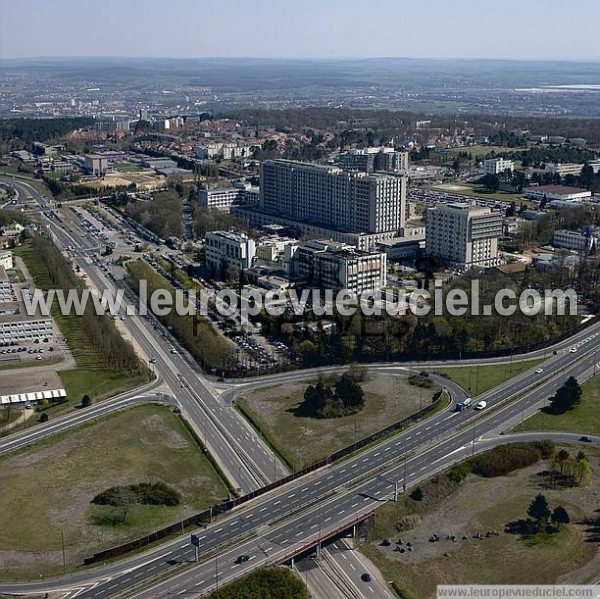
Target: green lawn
(302, 440)
(47, 488)
(479, 379)
(89, 376)
(585, 418)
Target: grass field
(477, 506)
(302, 441)
(479, 379)
(89, 376)
(47, 488)
(583, 419)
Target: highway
(243, 457)
(294, 518)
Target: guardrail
(200, 519)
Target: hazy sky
(301, 28)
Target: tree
(538, 510)
(86, 401)
(566, 397)
(44, 417)
(124, 498)
(350, 392)
(561, 458)
(417, 494)
(560, 516)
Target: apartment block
(496, 166)
(6, 259)
(331, 265)
(226, 249)
(332, 198)
(463, 235)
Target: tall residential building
(333, 198)
(496, 166)
(369, 160)
(331, 265)
(463, 235)
(226, 249)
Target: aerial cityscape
(299, 302)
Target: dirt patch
(481, 506)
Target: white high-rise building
(496, 166)
(226, 249)
(333, 198)
(463, 235)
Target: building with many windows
(369, 160)
(331, 265)
(496, 166)
(226, 249)
(574, 240)
(463, 235)
(6, 259)
(332, 198)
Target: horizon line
(306, 58)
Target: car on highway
(539, 371)
(366, 577)
(480, 405)
(174, 351)
(573, 350)
(585, 439)
(152, 360)
(242, 559)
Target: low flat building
(557, 192)
(96, 165)
(572, 240)
(5, 287)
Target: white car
(539, 371)
(174, 351)
(573, 350)
(480, 405)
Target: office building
(96, 165)
(564, 169)
(5, 287)
(332, 198)
(272, 248)
(573, 240)
(463, 235)
(337, 266)
(369, 160)
(6, 259)
(225, 249)
(497, 166)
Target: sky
(520, 29)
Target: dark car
(242, 558)
(585, 439)
(366, 577)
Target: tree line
(99, 331)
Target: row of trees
(99, 330)
(194, 331)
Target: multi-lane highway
(295, 517)
(245, 460)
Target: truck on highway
(464, 404)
